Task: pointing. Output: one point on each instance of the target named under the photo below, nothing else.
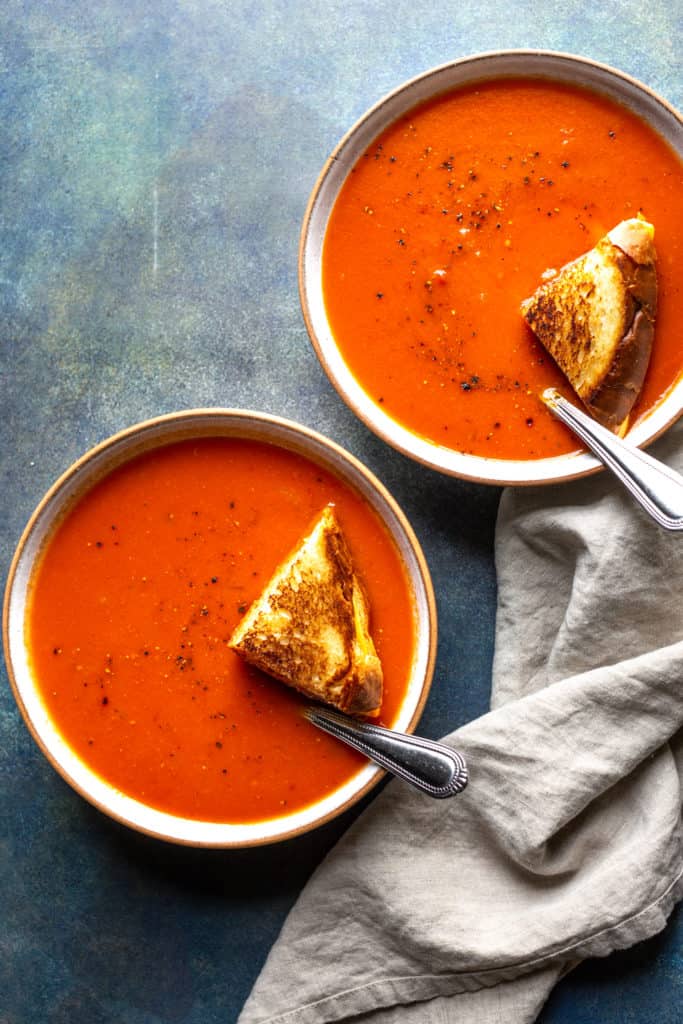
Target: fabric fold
(567, 842)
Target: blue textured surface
(156, 161)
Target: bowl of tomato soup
(126, 585)
(441, 210)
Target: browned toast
(309, 627)
(596, 318)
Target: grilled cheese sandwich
(310, 626)
(596, 318)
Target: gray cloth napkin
(567, 842)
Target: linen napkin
(567, 842)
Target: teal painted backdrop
(156, 159)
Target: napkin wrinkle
(492, 1004)
(582, 843)
(587, 582)
(553, 724)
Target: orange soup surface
(449, 221)
(133, 603)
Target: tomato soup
(449, 221)
(134, 600)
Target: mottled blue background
(156, 162)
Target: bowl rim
(478, 469)
(98, 462)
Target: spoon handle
(431, 767)
(656, 487)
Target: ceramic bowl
(86, 472)
(559, 67)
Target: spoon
(430, 767)
(658, 489)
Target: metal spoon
(658, 489)
(431, 767)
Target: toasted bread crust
(309, 628)
(596, 318)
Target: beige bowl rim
(98, 462)
(538, 63)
